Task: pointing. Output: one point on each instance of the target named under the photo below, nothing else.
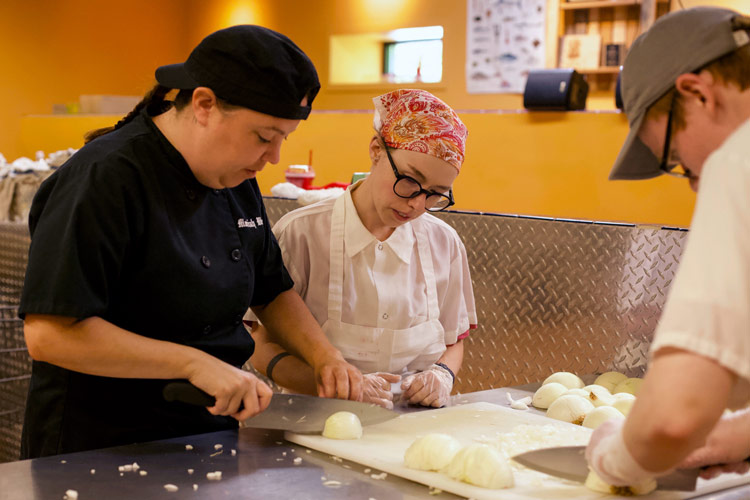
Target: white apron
(373, 349)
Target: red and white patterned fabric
(416, 120)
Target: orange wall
(551, 164)
(547, 164)
(51, 51)
(310, 23)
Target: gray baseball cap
(679, 42)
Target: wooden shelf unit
(616, 21)
(599, 4)
(603, 70)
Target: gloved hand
(726, 448)
(610, 459)
(376, 388)
(431, 387)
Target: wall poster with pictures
(505, 39)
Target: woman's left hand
(431, 387)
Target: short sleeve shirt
(708, 309)
(384, 286)
(125, 232)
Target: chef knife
(569, 462)
(290, 412)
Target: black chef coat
(124, 231)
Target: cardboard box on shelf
(580, 51)
(107, 104)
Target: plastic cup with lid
(300, 175)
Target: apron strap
(425, 256)
(336, 260)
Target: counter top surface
(263, 465)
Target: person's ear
(376, 149)
(203, 103)
(697, 89)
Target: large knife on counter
(569, 462)
(290, 412)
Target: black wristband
(453, 375)
(273, 362)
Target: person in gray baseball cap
(686, 92)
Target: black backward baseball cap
(249, 66)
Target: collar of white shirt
(357, 237)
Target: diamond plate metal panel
(551, 295)
(556, 295)
(14, 249)
(15, 369)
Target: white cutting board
(382, 447)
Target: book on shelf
(614, 54)
(580, 51)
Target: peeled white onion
(623, 402)
(598, 416)
(571, 409)
(610, 380)
(595, 483)
(629, 385)
(569, 380)
(431, 452)
(546, 394)
(481, 465)
(576, 392)
(600, 396)
(343, 425)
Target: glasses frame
(664, 166)
(400, 176)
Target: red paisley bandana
(416, 120)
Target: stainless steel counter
(262, 467)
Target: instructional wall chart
(505, 39)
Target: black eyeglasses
(408, 187)
(671, 168)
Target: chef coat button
(190, 194)
(238, 319)
(207, 330)
(236, 254)
(206, 261)
(216, 192)
(385, 315)
(380, 246)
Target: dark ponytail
(154, 97)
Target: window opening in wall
(414, 55)
(399, 56)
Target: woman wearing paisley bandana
(389, 284)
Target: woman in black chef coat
(150, 243)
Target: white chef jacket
(384, 286)
(708, 308)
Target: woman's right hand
(376, 388)
(238, 393)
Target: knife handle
(186, 392)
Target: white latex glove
(376, 388)
(431, 387)
(608, 456)
(727, 447)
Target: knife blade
(290, 412)
(569, 462)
